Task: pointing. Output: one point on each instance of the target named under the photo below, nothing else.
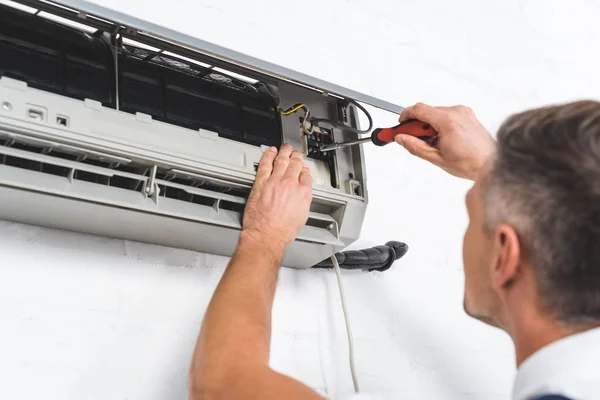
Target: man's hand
(279, 202)
(463, 144)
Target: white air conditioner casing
(80, 165)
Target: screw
(6, 106)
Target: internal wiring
(338, 274)
(309, 124)
(294, 108)
(307, 127)
(344, 127)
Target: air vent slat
(211, 179)
(203, 192)
(219, 197)
(61, 147)
(48, 159)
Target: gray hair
(544, 181)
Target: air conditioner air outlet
(76, 165)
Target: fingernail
(272, 148)
(398, 140)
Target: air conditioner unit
(115, 126)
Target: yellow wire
(292, 109)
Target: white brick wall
(91, 318)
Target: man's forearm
(237, 325)
(232, 353)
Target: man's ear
(508, 248)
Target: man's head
(533, 239)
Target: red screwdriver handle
(412, 127)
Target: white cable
(336, 267)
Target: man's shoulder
(568, 368)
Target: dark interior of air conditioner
(77, 64)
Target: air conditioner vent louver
(131, 177)
(102, 170)
(44, 164)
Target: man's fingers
(419, 148)
(282, 161)
(295, 166)
(426, 113)
(305, 178)
(265, 166)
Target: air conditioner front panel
(48, 190)
(87, 217)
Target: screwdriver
(383, 136)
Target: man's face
(480, 301)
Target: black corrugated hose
(378, 258)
